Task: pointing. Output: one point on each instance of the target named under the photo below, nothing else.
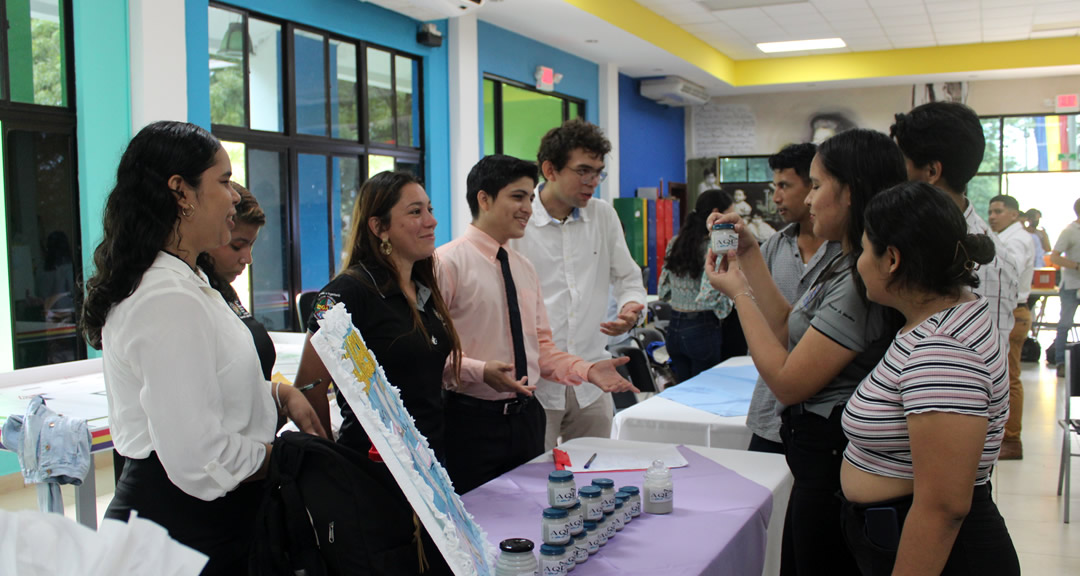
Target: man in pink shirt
(493, 423)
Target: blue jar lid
(608, 512)
(579, 536)
(622, 495)
(589, 492)
(576, 506)
(723, 226)
(618, 504)
(555, 513)
(516, 545)
(552, 550)
(604, 482)
(561, 476)
(631, 490)
(590, 525)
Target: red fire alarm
(1066, 103)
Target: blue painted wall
(652, 140)
(515, 57)
(361, 21)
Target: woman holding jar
(814, 352)
(694, 334)
(188, 405)
(926, 425)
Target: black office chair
(305, 301)
(636, 371)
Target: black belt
(796, 410)
(505, 407)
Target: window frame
(292, 143)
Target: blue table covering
(720, 390)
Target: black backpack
(330, 510)
(1031, 350)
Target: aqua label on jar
(581, 547)
(576, 519)
(592, 536)
(562, 492)
(723, 238)
(556, 528)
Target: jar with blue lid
(723, 238)
(516, 558)
(556, 526)
(562, 492)
(581, 547)
(602, 528)
(607, 492)
(592, 536)
(635, 499)
(619, 516)
(593, 506)
(577, 519)
(609, 524)
(624, 499)
(552, 560)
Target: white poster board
(377, 405)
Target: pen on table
(310, 386)
(589, 463)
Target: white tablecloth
(661, 420)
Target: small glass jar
(562, 492)
(592, 536)
(635, 499)
(601, 527)
(658, 489)
(516, 558)
(552, 560)
(556, 526)
(624, 499)
(581, 547)
(723, 238)
(607, 492)
(619, 516)
(609, 524)
(577, 519)
(591, 504)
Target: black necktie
(521, 365)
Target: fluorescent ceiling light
(720, 5)
(800, 45)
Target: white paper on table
(611, 459)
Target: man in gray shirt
(1066, 253)
(795, 258)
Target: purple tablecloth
(718, 525)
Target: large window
(39, 185)
(307, 116)
(516, 116)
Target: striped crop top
(953, 361)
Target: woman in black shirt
(223, 264)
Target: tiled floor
(1025, 490)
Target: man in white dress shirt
(579, 251)
(1005, 222)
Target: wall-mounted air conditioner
(674, 91)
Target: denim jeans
(1069, 302)
(694, 342)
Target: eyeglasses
(588, 174)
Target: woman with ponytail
(694, 334)
(926, 425)
(188, 405)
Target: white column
(464, 72)
(609, 122)
(158, 61)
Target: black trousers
(815, 448)
(482, 443)
(983, 545)
(759, 444)
(221, 528)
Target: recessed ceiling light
(800, 45)
(591, 41)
